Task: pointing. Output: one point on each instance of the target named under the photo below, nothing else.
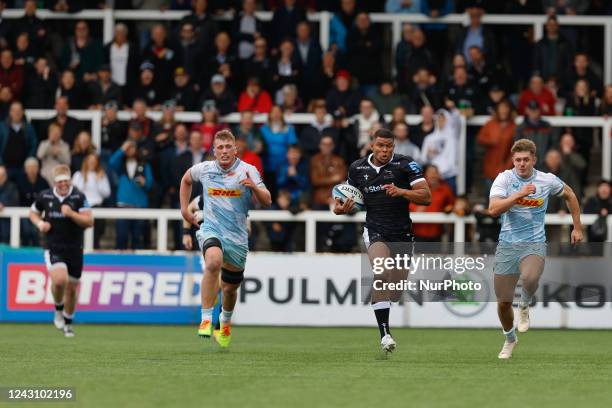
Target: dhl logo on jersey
(223, 192)
(530, 202)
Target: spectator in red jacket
(538, 92)
(11, 75)
(247, 155)
(254, 98)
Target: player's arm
(184, 195)
(574, 206)
(83, 218)
(261, 193)
(36, 219)
(499, 205)
(419, 193)
(193, 209)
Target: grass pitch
(168, 366)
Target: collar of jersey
(377, 168)
(222, 170)
(59, 197)
(533, 174)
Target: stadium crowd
(278, 68)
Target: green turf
(167, 366)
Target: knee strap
(234, 278)
(211, 242)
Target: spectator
(82, 54)
(539, 93)
(495, 95)
(497, 137)
(246, 28)
(30, 184)
(248, 156)
(293, 174)
(73, 92)
(600, 204)
(164, 128)
(484, 74)
(9, 197)
(437, 33)
(52, 152)
(403, 145)
(247, 131)
(552, 54)
(566, 171)
(278, 136)
(254, 98)
(69, 125)
(280, 234)
(285, 68)
(190, 52)
(398, 115)
(574, 161)
(310, 137)
(139, 110)
(259, 65)
(426, 126)
(326, 76)
(11, 75)
(204, 24)
(39, 89)
(164, 60)
(344, 136)
(341, 97)
(123, 58)
(582, 103)
(91, 179)
(417, 56)
(25, 54)
(340, 25)
(403, 6)
(222, 62)
(307, 52)
(402, 52)
(114, 131)
(135, 180)
(606, 102)
(104, 89)
(442, 200)
(194, 154)
(364, 46)
(31, 24)
(424, 91)
(326, 170)
(386, 99)
(144, 145)
(582, 70)
(284, 21)
(83, 146)
(184, 93)
(464, 93)
(440, 147)
(210, 124)
(287, 97)
(364, 122)
(476, 34)
(537, 130)
(17, 140)
(146, 88)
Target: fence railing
(309, 218)
(305, 118)
(323, 18)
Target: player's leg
(505, 286)
(531, 268)
(213, 259)
(74, 261)
(58, 272)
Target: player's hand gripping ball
(345, 191)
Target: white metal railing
(310, 218)
(323, 18)
(95, 117)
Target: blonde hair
(98, 170)
(224, 135)
(523, 145)
(60, 170)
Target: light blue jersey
(225, 206)
(524, 221)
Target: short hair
(224, 135)
(31, 160)
(295, 146)
(61, 169)
(523, 145)
(384, 133)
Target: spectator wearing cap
(341, 97)
(11, 76)
(581, 69)
(104, 89)
(147, 88)
(190, 56)
(386, 99)
(222, 61)
(424, 91)
(247, 131)
(224, 98)
(39, 89)
(284, 21)
(475, 34)
(340, 25)
(82, 54)
(164, 59)
(210, 124)
(29, 185)
(311, 134)
(113, 132)
(259, 65)
(204, 23)
(70, 125)
(538, 92)
(364, 46)
(183, 94)
(17, 140)
(52, 152)
(414, 55)
(73, 91)
(307, 51)
(537, 130)
(254, 98)
(246, 28)
(123, 58)
(552, 55)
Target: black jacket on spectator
(238, 36)
(39, 93)
(206, 30)
(466, 96)
(185, 97)
(28, 192)
(225, 103)
(594, 80)
(150, 93)
(70, 130)
(259, 69)
(310, 68)
(77, 95)
(364, 56)
(114, 134)
(348, 100)
(212, 67)
(310, 138)
(99, 96)
(488, 46)
(279, 80)
(542, 134)
(284, 22)
(164, 69)
(411, 60)
(552, 57)
(190, 57)
(417, 98)
(34, 26)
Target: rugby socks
(59, 307)
(525, 299)
(381, 311)
(226, 316)
(68, 318)
(510, 335)
(207, 314)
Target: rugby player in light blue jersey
(228, 186)
(520, 196)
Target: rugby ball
(346, 191)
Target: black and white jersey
(64, 233)
(385, 214)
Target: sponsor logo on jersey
(530, 202)
(223, 192)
